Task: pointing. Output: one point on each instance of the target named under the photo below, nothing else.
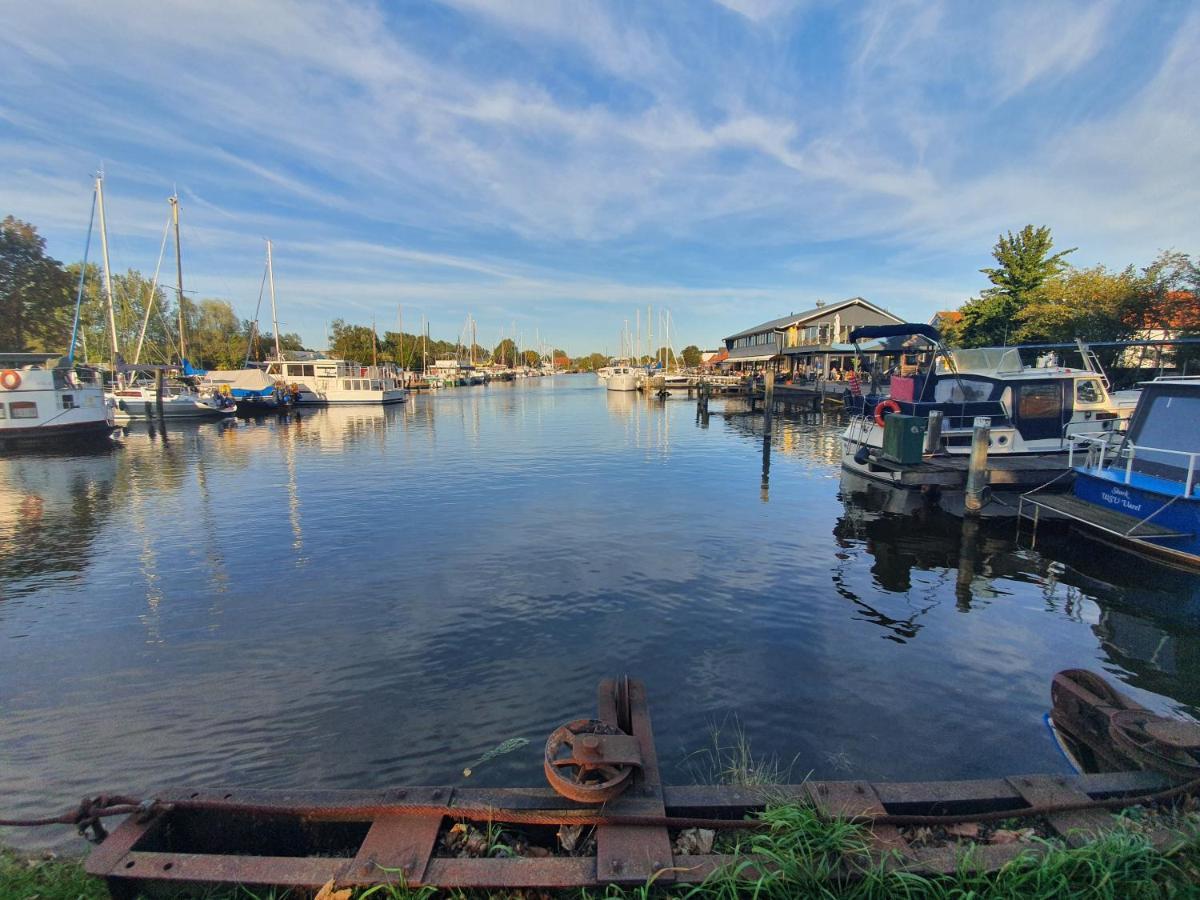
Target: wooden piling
(768, 399)
(933, 436)
(158, 392)
(977, 486)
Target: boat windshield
(961, 390)
(1169, 421)
(988, 360)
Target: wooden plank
(847, 799)
(1076, 827)
(396, 849)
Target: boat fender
(10, 379)
(883, 408)
(862, 455)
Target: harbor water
(363, 597)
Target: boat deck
(1068, 506)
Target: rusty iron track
(305, 839)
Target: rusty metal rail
(306, 839)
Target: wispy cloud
(576, 157)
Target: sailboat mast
(108, 291)
(274, 318)
(374, 345)
(174, 201)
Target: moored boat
(320, 381)
(1033, 410)
(1141, 490)
(623, 378)
(46, 401)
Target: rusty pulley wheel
(590, 761)
(1153, 742)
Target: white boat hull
(622, 383)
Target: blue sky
(561, 165)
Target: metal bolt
(436, 795)
(615, 865)
(400, 795)
(858, 789)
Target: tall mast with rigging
(108, 291)
(274, 318)
(174, 201)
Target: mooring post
(977, 486)
(158, 392)
(933, 436)
(768, 399)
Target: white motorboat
(48, 401)
(316, 382)
(1033, 409)
(139, 400)
(623, 378)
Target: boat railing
(1101, 454)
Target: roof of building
(816, 311)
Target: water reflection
(356, 597)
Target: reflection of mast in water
(220, 576)
(765, 485)
(289, 456)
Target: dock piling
(933, 436)
(768, 399)
(977, 485)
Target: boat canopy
(904, 329)
(987, 361)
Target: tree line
(1037, 296)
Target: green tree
(691, 356)
(351, 342)
(506, 352)
(531, 359)
(1093, 304)
(35, 292)
(1024, 263)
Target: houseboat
(1033, 409)
(623, 378)
(315, 382)
(1140, 490)
(46, 401)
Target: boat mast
(108, 291)
(274, 319)
(374, 345)
(174, 201)
(79, 294)
(649, 332)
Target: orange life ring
(883, 407)
(10, 380)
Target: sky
(554, 168)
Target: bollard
(158, 392)
(933, 436)
(768, 399)
(977, 488)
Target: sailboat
(46, 400)
(139, 398)
(252, 388)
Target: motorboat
(1140, 490)
(623, 378)
(47, 401)
(1031, 409)
(139, 399)
(320, 381)
(252, 389)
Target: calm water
(360, 598)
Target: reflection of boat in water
(1143, 492)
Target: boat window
(1087, 390)
(961, 390)
(1171, 422)
(308, 370)
(1039, 401)
(375, 386)
(23, 409)
(3, 413)
(347, 384)
(68, 401)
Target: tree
(506, 352)
(531, 358)
(1024, 263)
(1093, 304)
(692, 356)
(35, 292)
(352, 342)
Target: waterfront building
(812, 342)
